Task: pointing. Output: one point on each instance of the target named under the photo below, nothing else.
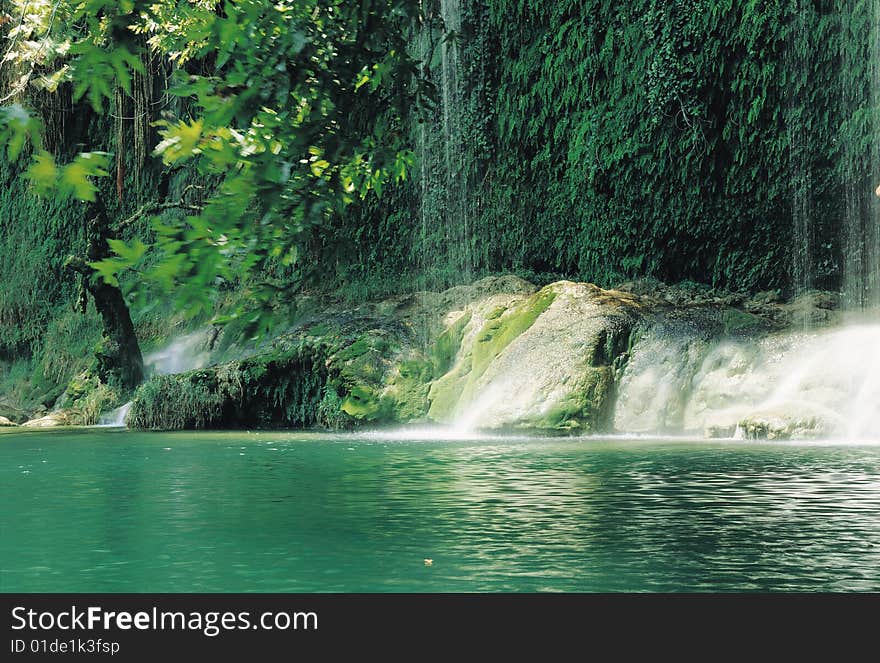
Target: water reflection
(282, 512)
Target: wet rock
(49, 421)
(716, 431)
(788, 421)
(813, 309)
(502, 353)
(543, 362)
(763, 298)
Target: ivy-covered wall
(660, 137)
(678, 139)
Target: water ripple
(305, 512)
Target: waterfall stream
(804, 384)
(184, 353)
(445, 207)
(115, 418)
(861, 165)
(799, 156)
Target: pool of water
(118, 511)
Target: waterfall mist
(804, 384)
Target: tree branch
(152, 208)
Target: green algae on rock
(542, 364)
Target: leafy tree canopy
(295, 107)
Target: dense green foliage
(718, 141)
(654, 137)
(677, 140)
(293, 107)
(263, 391)
(277, 116)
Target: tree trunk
(119, 357)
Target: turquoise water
(117, 511)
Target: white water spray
(115, 418)
(185, 353)
(807, 384)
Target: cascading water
(458, 210)
(115, 418)
(184, 353)
(807, 384)
(798, 156)
(861, 165)
(446, 202)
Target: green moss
(586, 408)
(369, 342)
(445, 392)
(459, 383)
(565, 415)
(495, 312)
(277, 389)
(500, 332)
(330, 412)
(174, 402)
(407, 392)
(85, 398)
(363, 403)
(447, 345)
(320, 330)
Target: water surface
(117, 511)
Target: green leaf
(179, 140)
(43, 172)
(130, 253)
(75, 176)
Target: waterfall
(802, 384)
(799, 151)
(861, 165)
(115, 418)
(184, 353)
(445, 155)
(457, 194)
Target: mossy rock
(407, 392)
(501, 330)
(448, 343)
(86, 398)
(445, 393)
(502, 326)
(271, 390)
(736, 322)
(364, 404)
